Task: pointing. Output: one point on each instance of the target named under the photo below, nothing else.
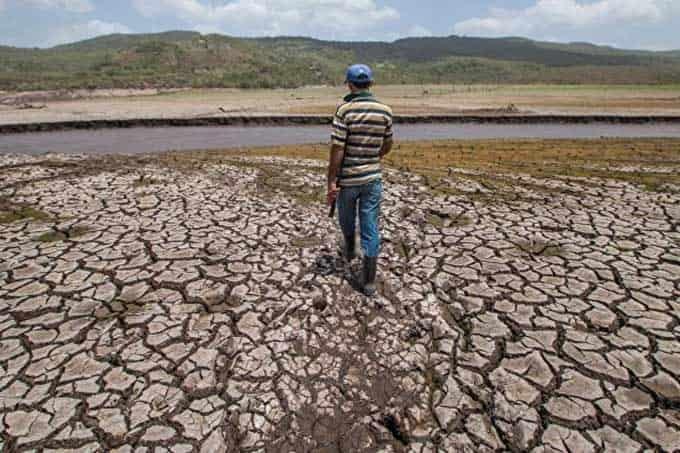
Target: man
(362, 136)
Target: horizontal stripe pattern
(361, 125)
(359, 170)
(360, 180)
(357, 161)
(363, 146)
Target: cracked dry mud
(208, 311)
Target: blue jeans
(367, 198)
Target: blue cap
(359, 73)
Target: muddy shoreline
(300, 120)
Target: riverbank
(316, 120)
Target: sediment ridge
(298, 120)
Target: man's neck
(358, 94)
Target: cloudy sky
(644, 24)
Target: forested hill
(181, 58)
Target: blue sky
(644, 24)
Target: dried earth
(174, 305)
(405, 99)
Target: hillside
(181, 58)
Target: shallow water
(140, 140)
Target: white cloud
(419, 31)
(76, 6)
(80, 31)
(335, 18)
(544, 15)
(659, 46)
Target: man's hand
(332, 194)
(386, 147)
(334, 164)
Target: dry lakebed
(196, 302)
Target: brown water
(141, 140)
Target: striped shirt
(361, 125)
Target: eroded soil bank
(315, 120)
(196, 302)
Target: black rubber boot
(349, 249)
(368, 280)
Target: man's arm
(338, 141)
(334, 163)
(387, 138)
(386, 147)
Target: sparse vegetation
(270, 179)
(61, 235)
(435, 221)
(605, 159)
(539, 247)
(189, 59)
(440, 220)
(460, 221)
(51, 236)
(13, 212)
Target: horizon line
(570, 43)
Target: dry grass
(547, 158)
(51, 236)
(22, 213)
(536, 156)
(600, 158)
(13, 212)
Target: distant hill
(183, 58)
